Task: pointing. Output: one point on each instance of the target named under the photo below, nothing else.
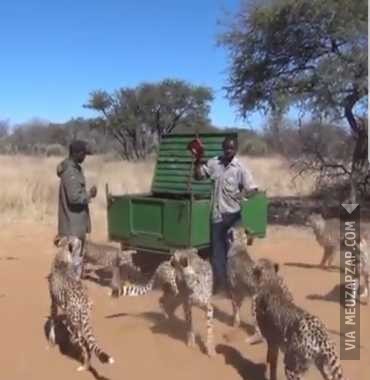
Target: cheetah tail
(103, 356)
(335, 368)
(137, 290)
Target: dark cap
(78, 146)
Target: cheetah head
(315, 220)
(264, 270)
(237, 234)
(70, 245)
(181, 260)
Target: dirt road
(131, 329)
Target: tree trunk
(360, 163)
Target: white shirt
(229, 181)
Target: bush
(55, 150)
(253, 146)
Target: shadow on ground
(66, 348)
(246, 368)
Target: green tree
(308, 53)
(139, 117)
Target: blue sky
(55, 52)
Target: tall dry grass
(29, 185)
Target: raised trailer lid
(174, 167)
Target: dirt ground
(131, 329)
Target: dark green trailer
(177, 211)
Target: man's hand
(246, 193)
(196, 148)
(93, 192)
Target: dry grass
(29, 185)
(275, 176)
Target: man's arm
(76, 193)
(248, 185)
(199, 170)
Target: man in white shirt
(232, 182)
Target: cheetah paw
(82, 368)
(254, 339)
(111, 360)
(364, 293)
(191, 340)
(211, 352)
(51, 336)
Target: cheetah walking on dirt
(364, 270)
(118, 262)
(327, 233)
(301, 336)
(69, 295)
(185, 279)
(241, 282)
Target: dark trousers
(220, 247)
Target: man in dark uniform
(73, 206)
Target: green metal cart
(177, 211)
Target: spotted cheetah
(364, 269)
(164, 277)
(69, 295)
(240, 278)
(241, 281)
(301, 336)
(185, 279)
(119, 263)
(327, 234)
(197, 276)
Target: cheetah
(301, 336)
(185, 279)
(197, 275)
(240, 278)
(164, 277)
(327, 234)
(364, 270)
(118, 262)
(241, 282)
(69, 295)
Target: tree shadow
(334, 295)
(118, 315)
(9, 258)
(302, 265)
(333, 268)
(246, 368)
(66, 348)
